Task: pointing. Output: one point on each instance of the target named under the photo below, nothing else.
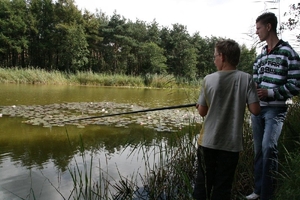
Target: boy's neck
(227, 67)
(272, 41)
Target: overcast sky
(221, 18)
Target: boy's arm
(254, 108)
(202, 110)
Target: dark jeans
(216, 169)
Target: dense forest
(56, 35)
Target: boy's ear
(269, 26)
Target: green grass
(289, 155)
(289, 177)
(31, 76)
(40, 76)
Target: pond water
(35, 159)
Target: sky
(221, 18)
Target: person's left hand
(262, 93)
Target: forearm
(202, 110)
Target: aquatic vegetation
(73, 113)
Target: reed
(82, 175)
(172, 173)
(169, 170)
(89, 78)
(31, 76)
(160, 81)
(244, 181)
(289, 177)
(289, 157)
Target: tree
(55, 35)
(247, 59)
(205, 48)
(41, 49)
(137, 35)
(74, 52)
(153, 33)
(293, 21)
(67, 42)
(154, 59)
(5, 44)
(13, 28)
(94, 40)
(180, 53)
(114, 43)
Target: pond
(39, 145)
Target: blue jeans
(266, 128)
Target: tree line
(56, 35)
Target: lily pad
(82, 114)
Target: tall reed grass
(289, 155)
(89, 78)
(169, 172)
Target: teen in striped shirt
(276, 72)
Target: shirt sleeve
(201, 99)
(252, 92)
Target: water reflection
(60, 144)
(34, 160)
(48, 160)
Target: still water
(35, 161)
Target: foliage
(154, 60)
(205, 47)
(289, 159)
(290, 133)
(55, 35)
(289, 177)
(292, 24)
(247, 59)
(244, 176)
(293, 21)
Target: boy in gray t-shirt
(223, 100)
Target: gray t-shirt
(226, 94)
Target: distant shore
(39, 76)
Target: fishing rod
(138, 111)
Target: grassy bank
(38, 76)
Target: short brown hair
(268, 18)
(230, 49)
